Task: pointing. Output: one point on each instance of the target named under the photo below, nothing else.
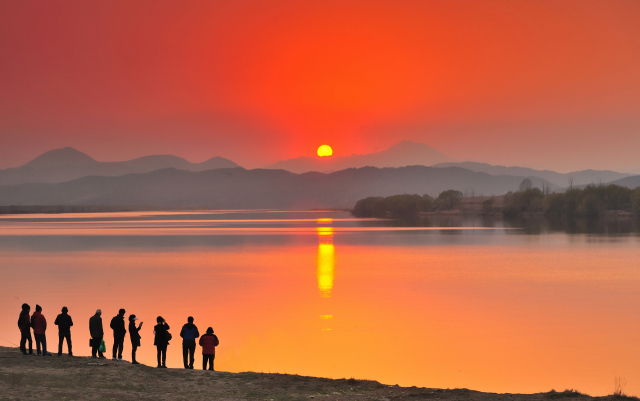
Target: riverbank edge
(66, 378)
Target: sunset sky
(544, 84)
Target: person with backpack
(208, 342)
(64, 323)
(39, 324)
(134, 333)
(161, 340)
(189, 333)
(119, 331)
(97, 333)
(24, 324)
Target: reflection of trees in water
(530, 225)
(597, 225)
(446, 221)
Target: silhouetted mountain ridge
(583, 177)
(629, 182)
(259, 188)
(60, 157)
(66, 164)
(405, 153)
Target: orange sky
(546, 84)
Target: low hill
(250, 189)
(60, 165)
(629, 182)
(583, 177)
(405, 153)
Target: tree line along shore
(591, 201)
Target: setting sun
(325, 150)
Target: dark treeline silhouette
(161, 336)
(403, 206)
(592, 201)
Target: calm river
(494, 308)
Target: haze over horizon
(547, 85)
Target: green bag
(103, 347)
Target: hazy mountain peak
(67, 164)
(405, 143)
(404, 153)
(219, 162)
(583, 177)
(67, 156)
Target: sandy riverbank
(82, 378)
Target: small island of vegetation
(402, 206)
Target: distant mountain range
(583, 177)
(69, 177)
(405, 153)
(260, 188)
(67, 164)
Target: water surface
(455, 303)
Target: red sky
(547, 84)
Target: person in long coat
(161, 341)
(97, 333)
(134, 333)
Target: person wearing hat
(64, 323)
(208, 342)
(24, 324)
(39, 324)
(134, 333)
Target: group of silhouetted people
(189, 334)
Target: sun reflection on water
(326, 261)
(326, 264)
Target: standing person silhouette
(208, 342)
(39, 324)
(189, 333)
(134, 333)
(117, 324)
(24, 324)
(161, 340)
(64, 323)
(97, 333)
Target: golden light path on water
(326, 264)
(323, 294)
(326, 261)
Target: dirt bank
(81, 378)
